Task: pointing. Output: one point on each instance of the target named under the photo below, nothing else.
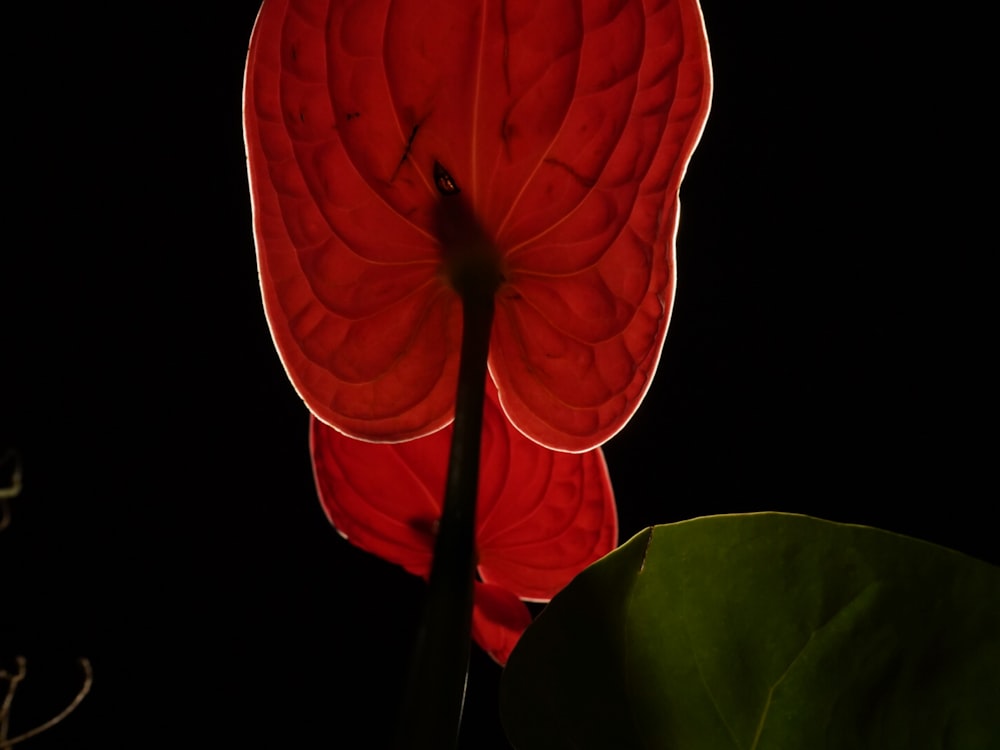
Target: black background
(830, 353)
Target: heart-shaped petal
(543, 515)
(566, 127)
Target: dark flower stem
(435, 692)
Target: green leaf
(764, 632)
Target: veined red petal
(542, 515)
(498, 619)
(384, 498)
(566, 126)
(581, 323)
(364, 324)
(536, 546)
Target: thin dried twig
(12, 679)
(5, 744)
(13, 489)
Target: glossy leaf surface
(765, 632)
(566, 128)
(542, 517)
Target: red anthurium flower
(542, 516)
(563, 127)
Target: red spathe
(567, 127)
(542, 516)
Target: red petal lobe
(498, 619)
